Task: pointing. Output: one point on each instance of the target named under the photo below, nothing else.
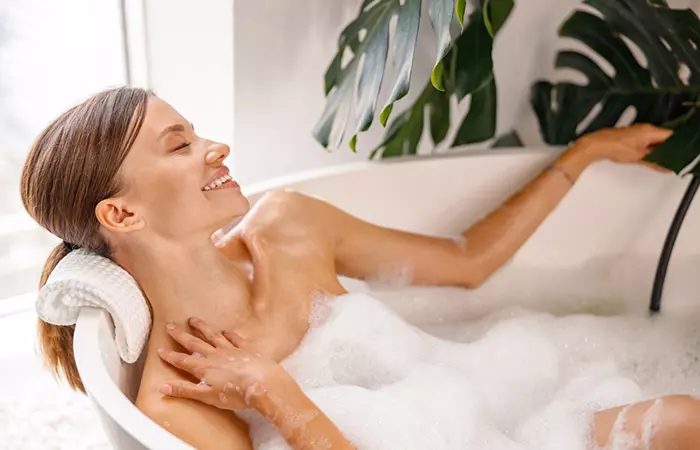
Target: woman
(123, 174)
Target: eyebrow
(171, 128)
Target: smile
(222, 182)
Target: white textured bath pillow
(83, 278)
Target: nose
(217, 152)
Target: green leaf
(353, 143)
(496, 13)
(472, 65)
(468, 67)
(352, 90)
(436, 77)
(480, 123)
(669, 39)
(681, 148)
(440, 13)
(509, 140)
(384, 116)
(404, 44)
(405, 131)
(460, 9)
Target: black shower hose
(662, 268)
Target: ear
(115, 215)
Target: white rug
(41, 415)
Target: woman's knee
(678, 422)
(669, 423)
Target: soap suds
(522, 363)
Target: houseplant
(663, 91)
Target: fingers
(192, 343)
(212, 338)
(183, 361)
(186, 389)
(655, 167)
(653, 135)
(237, 340)
(218, 236)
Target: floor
(35, 411)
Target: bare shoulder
(202, 426)
(286, 210)
(281, 216)
(288, 201)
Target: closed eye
(181, 146)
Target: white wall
(281, 52)
(283, 48)
(274, 70)
(189, 48)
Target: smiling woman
(133, 188)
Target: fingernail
(194, 319)
(161, 351)
(166, 389)
(170, 326)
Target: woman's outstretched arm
(363, 250)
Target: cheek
(162, 194)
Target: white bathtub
(613, 210)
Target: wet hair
(72, 166)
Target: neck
(182, 280)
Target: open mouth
(223, 182)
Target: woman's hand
(622, 145)
(232, 375)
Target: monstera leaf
(468, 69)
(664, 90)
(355, 76)
(365, 41)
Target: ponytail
(72, 166)
(56, 341)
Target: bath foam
(493, 369)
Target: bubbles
(461, 241)
(198, 355)
(393, 277)
(523, 363)
(254, 390)
(651, 420)
(203, 382)
(620, 437)
(320, 309)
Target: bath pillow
(83, 278)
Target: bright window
(52, 55)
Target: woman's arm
(199, 425)
(365, 251)
(302, 424)
(234, 378)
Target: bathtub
(613, 210)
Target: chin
(233, 210)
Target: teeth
(218, 182)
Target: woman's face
(176, 181)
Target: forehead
(143, 152)
(159, 115)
